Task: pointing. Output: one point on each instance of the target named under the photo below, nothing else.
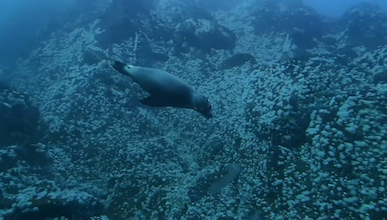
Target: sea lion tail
(120, 67)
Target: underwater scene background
(298, 98)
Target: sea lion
(165, 89)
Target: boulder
(123, 19)
(238, 59)
(92, 56)
(366, 25)
(19, 118)
(204, 35)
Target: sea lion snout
(206, 112)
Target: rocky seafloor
(299, 127)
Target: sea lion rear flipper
(120, 67)
(154, 101)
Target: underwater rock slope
(298, 130)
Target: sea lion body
(165, 89)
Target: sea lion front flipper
(120, 67)
(155, 101)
